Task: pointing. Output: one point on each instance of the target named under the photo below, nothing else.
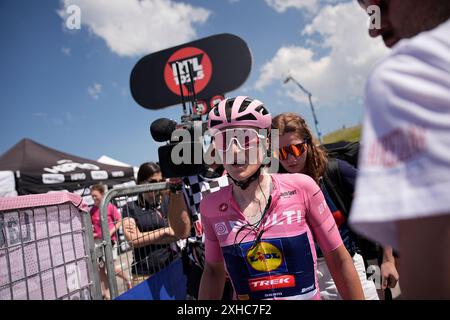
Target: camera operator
(185, 220)
(189, 183)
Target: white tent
(7, 184)
(108, 160)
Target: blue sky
(68, 89)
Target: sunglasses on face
(245, 139)
(297, 150)
(156, 180)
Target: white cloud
(338, 76)
(40, 115)
(95, 90)
(283, 5)
(45, 118)
(66, 51)
(137, 27)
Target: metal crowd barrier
(47, 248)
(125, 268)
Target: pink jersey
(113, 217)
(282, 264)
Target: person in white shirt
(402, 192)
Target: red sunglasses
(297, 150)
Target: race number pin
(223, 207)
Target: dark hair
(146, 170)
(98, 187)
(316, 159)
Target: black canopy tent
(40, 169)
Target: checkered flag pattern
(195, 189)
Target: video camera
(184, 153)
(185, 156)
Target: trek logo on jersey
(264, 257)
(177, 69)
(273, 282)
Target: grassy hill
(348, 134)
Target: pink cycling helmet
(239, 111)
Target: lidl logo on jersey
(265, 257)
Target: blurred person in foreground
(401, 196)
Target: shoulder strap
(335, 186)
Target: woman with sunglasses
(299, 153)
(261, 229)
(146, 228)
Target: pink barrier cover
(43, 254)
(45, 199)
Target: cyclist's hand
(389, 275)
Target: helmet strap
(244, 184)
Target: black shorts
(193, 273)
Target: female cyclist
(261, 229)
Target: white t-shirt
(405, 148)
